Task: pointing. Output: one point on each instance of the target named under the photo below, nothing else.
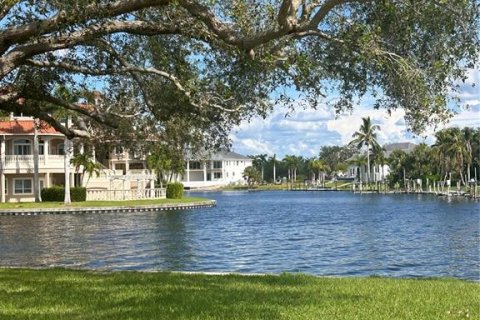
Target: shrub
(78, 194)
(57, 194)
(174, 190)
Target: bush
(174, 190)
(57, 194)
(78, 194)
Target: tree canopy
(209, 64)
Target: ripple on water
(318, 233)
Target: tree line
(454, 156)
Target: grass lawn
(30, 205)
(69, 294)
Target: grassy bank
(346, 186)
(67, 294)
(33, 205)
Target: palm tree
(274, 161)
(468, 136)
(36, 179)
(452, 150)
(252, 174)
(359, 161)
(290, 164)
(320, 167)
(259, 162)
(366, 136)
(66, 163)
(379, 159)
(89, 165)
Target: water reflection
(319, 233)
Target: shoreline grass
(77, 294)
(98, 204)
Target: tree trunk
(368, 163)
(36, 179)
(274, 175)
(66, 163)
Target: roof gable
(12, 127)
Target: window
(194, 165)
(119, 149)
(217, 175)
(61, 149)
(41, 147)
(217, 164)
(22, 147)
(5, 187)
(23, 186)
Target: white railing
(26, 161)
(131, 194)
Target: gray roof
(218, 156)
(406, 147)
(228, 155)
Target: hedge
(77, 194)
(174, 190)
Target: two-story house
(123, 175)
(217, 169)
(16, 158)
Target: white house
(218, 169)
(378, 172)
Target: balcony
(26, 162)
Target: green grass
(68, 294)
(33, 205)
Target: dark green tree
(212, 64)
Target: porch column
(223, 170)
(47, 180)
(127, 157)
(204, 171)
(188, 170)
(46, 149)
(2, 168)
(152, 188)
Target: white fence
(26, 161)
(132, 194)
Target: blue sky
(306, 131)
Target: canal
(321, 233)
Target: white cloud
(305, 131)
(254, 146)
(392, 126)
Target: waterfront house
(215, 169)
(358, 172)
(123, 174)
(16, 153)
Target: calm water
(313, 232)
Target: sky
(306, 131)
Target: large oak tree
(208, 64)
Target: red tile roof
(25, 127)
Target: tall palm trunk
(66, 165)
(36, 178)
(368, 163)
